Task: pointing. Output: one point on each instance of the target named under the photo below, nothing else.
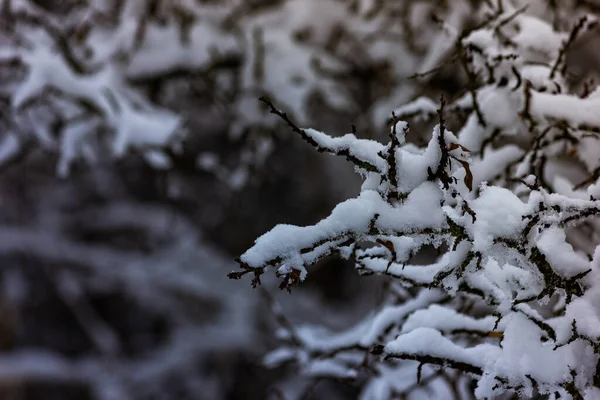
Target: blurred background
(114, 250)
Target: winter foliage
(114, 276)
(78, 89)
(478, 209)
(505, 190)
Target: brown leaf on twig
(468, 174)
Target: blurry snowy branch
(510, 204)
(121, 297)
(89, 81)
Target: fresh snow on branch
(512, 299)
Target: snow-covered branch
(517, 298)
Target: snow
(446, 320)
(523, 354)
(429, 341)
(351, 217)
(588, 152)
(364, 150)
(499, 214)
(158, 160)
(485, 169)
(162, 51)
(422, 274)
(560, 254)
(575, 110)
(329, 368)
(395, 314)
(9, 148)
(137, 124)
(422, 105)
(38, 365)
